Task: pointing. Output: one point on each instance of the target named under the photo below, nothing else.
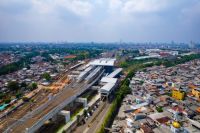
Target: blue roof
(2, 107)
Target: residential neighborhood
(163, 100)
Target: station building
(110, 76)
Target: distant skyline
(100, 20)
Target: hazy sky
(100, 20)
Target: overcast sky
(100, 20)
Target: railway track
(33, 121)
(66, 93)
(39, 115)
(21, 111)
(39, 99)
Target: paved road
(94, 122)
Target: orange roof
(70, 56)
(198, 109)
(163, 120)
(137, 111)
(174, 88)
(178, 109)
(192, 86)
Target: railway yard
(37, 98)
(41, 96)
(47, 101)
(66, 93)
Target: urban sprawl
(102, 88)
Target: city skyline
(100, 20)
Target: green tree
(123, 64)
(159, 109)
(29, 87)
(23, 84)
(85, 112)
(17, 65)
(46, 76)
(126, 82)
(34, 86)
(18, 95)
(7, 101)
(28, 67)
(78, 119)
(2, 95)
(13, 86)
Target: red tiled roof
(163, 120)
(146, 129)
(70, 56)
(177, 109)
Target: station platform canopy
(103, 62)
(109, 80)
(115, 73)
(107, 88)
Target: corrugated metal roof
(95, 71)
(103, 62)
(110, 83)
(86, 71)
(109, 80)
(114, 73)
(137, 106)
(107, 87)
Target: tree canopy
(46, 76)
(13, 85)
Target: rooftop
(114, 73)
(109, 80)
(107, 87)
(103, 62)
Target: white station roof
(85, 71)
(114, 73)
(109, 80)
(107, 87)
(103, 62)
(110, 84)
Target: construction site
(80, 88)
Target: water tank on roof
(176, 124)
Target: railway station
(80, 79)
